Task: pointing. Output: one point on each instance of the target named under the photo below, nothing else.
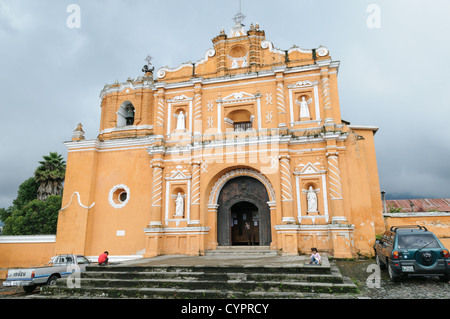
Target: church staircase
(259, 277)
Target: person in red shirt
(103, 259)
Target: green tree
(50, 175)
(35, 210)
(26, 193)
(35, 218)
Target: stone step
(159, 275)
(249, 269)
(242, 250)
(221, 277)
(167, 293)
(292, 290)
(236, 284)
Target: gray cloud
(394, 77)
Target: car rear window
(417, 241)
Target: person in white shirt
(315, 257)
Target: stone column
(160, 112)
(335, 188)
(195, 195)
(281, 107)
(273, 221)
(327, 103)
(286, 190)
(197, 130)
(157, 188)
(212, 218)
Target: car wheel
(379, 262)
(52, 280)
(395, 276)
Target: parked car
(412, 250)
(60, 266)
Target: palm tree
(50, 175)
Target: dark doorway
(243, 216)
(245, 224)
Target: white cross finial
(148, 59)
(239, 17)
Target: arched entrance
(243, 216)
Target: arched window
(242, 120)
(125, 115)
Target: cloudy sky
(393, 71)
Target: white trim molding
(27, 239)
(79, 202)
(418, 214)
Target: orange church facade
(244, 147)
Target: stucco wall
(436, 222)
(25, 251)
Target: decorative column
(281, 107)
(157, 188)
(212, 216)
(288, 234)
(325, 82)
(273, 221)
(335, 188)
(286, 190)
(160, 111)
(197, 130)
(195, 194)
(153, 231)
(341, 231)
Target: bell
(129, 117)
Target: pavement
(419, 288)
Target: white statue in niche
(181, 121)
(179, 206)
(244, 63)
(312, 200)
(304, 109)
(235, 64)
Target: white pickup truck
(61, 266)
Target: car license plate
(11, 283)
(408, 268)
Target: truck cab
(61, 266)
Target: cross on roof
(148, 59)
(239, 17)
(147, 68)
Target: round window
(123, 196)
(119, 196)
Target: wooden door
(250, 197)
(244, 224)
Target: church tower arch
(125, 114)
